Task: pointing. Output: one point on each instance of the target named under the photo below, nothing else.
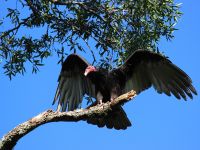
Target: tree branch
(82, 5)
(58, 2)
(10, 139)
(15, 28)
(30, 4)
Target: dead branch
(10, 139)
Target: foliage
(116, 28)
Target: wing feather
(163, 80)
(73, 85)
(182, 82)
(144, 69)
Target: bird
(143, 69)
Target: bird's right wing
(73, 85)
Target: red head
(89, 69)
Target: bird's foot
(112, 99)
(100, 102)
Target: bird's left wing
(144, 69)
(73, 85)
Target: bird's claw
(100, 102)
(112, 99)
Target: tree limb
(10, 139)
(82, 5)
(57, 2)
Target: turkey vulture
(140, 71)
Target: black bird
(140, 71)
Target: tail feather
(116, 119)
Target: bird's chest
(106, 85)
(103, 86)
(109, 88)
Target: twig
(30, 4)
(81, 4)
(92, 52)
(57, 2)
(15, 28)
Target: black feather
(139, 72)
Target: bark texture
(9, 140)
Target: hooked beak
(86, 73)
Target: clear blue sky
(159, 122)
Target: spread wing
(73, 85)
(144, 69)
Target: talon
(112, 99)
(100, 102)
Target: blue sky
(159, 121)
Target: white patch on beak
(85, 74)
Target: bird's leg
(99, 98)
(59, 107)
(113, 96)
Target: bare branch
(92, 52)
(56, 2)
(10, 139)
(82, 5)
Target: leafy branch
(110, 27)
